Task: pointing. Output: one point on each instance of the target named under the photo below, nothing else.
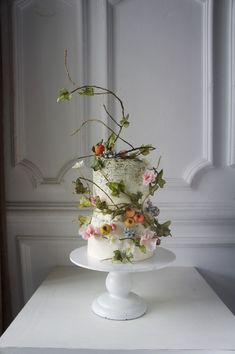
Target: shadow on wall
(219, 283)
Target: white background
(172, 63)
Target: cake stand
(119, 303)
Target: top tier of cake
(129, 171)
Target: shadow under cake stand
(119, 303)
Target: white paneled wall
(172, 63)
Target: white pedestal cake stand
(119, 303)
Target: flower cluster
(133, 217)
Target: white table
(184, 316)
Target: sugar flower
(113, 226)
(93, 200)
(78, 164)
(88, 231)
(148, 240)
(148, 177)
(152, 209)
(129, 232)
(105, 229)
(129, 222)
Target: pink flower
(93, 201)
(87, 232)
(148, 240)
(148, 177)
(113, 226)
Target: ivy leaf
(135, 197)
(116, 188)
(87, 91)
(117, 212)
(117, 255)
(133, 155)
(122, 256)
(153, 188)
(162, 229)
(97, 163)
(111, 142)
(145, 149)
(102, 205)
(84, 202)
(64, 95)
(84, 220)
(149, 221)
(142, 248)
(124, 121)
(159, 180)
(79, 187)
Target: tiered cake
(123, 225)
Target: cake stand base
(119, 303)
(113, 308)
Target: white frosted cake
(123, 231)
(123, 225)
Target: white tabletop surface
(184, 316)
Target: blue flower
(129, 232)
(151, 209)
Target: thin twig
(151, 148)
(103, 89)
(100, 121)
(114, 120)
(66, 67)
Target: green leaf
(133, 155)
(124, 121)
(135, 198)
(111, 142)
(102, 205)
(159, 180)
(97, 163)
(148, 220)
(84, 202)
(116, 188)
(162, 229)
(142, 248)
(145, 149)
(117, 212)
(64, 95)
(87, 91)
(84, 220)
(122, 256)
(153, 188)
(79, 187)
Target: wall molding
(33, 171)
(27, 243)
(231, 65)
(197, 167)
(36, 176)
(181, 211)
(206, 162)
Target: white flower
(78, 164)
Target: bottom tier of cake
(102, 249)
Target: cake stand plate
(119, 303)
